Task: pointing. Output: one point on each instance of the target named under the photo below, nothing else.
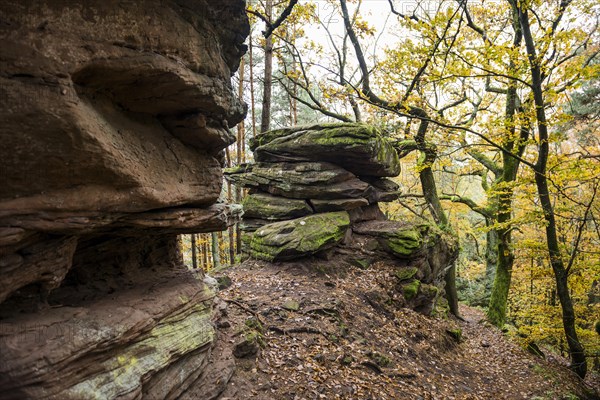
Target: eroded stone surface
(299, 237)
(358, 148)
(114, 116)
(303, 180)
(267, 207)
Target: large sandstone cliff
(113, 118)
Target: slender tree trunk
(499, 296)
(561, 274)
(205, 262)
(265, 119)
(194, 258)
(252, 102)
(215, 250)
(232, 249)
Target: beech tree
(539, 68)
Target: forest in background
(490, 102)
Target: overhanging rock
(113, 116)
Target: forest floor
(305, 330)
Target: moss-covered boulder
(403, 243)
(397, 238)
(300, 237)
(302, 180)
(268, 207)
(359, 148)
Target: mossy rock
(397, 238)
(405, 274)
(429, 291)
(224, 282)
(360, 262)
(411, 289)
(267, 207)
(291, 305)
(300, 237)
(380, 359)
(359, 148)
(441, 308)
(456, 334)
(249, 344)
(304, 180)
(404, 243)
(254, 324)
(245, 167)
(347, 360)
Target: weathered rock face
(299, 237)
(359, 148)
(114, 115)
(323, 184)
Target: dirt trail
(326, 334)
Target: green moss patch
(410, 290)
(405, 274)
(300, 237)
(404, 243)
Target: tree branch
(284, 14)
(455, 198)
(580, 231)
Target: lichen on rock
(356, 147)
(299, 237)
(114, 118)
(267, 207)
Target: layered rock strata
(114, 117)
(315, 190)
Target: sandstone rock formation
(315, 190)
(114, 115)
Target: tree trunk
(576, 351)
(491, 253)
(205, 262)
(194, 258)
(499, 298)
(251, 70)
(215, 250)
(232, 250)
(265, 119)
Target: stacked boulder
(314, 190)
